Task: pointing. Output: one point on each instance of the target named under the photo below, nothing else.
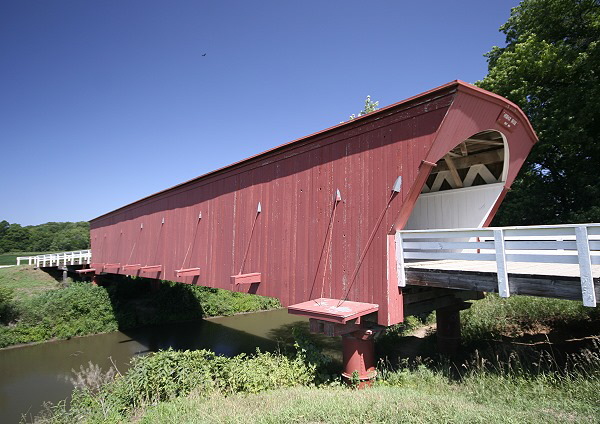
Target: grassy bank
(198, 387)
(430, 399)
(500, 378)
(26, 281)
(34, 307)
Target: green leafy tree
(550, 67)
(14, 238)
(3, 227)
(369, 107)
(51, 236)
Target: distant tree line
(48, 237)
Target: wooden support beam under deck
(558, 287)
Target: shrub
(73, 311)
(7, 305)
(76, 310)
(169, 374)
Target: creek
(33, 374)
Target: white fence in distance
(77, 257)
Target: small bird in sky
(204, 55)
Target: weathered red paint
(333, 310)
(251, 278)
(305, 243)
(358, 353)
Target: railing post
(400, 260)
(503, 289)
(585, 266)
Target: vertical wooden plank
(400, 261)
(585, 266)
(391, 309)
(501, 264)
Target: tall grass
(494, 318)
(419, 392)
(168, 375)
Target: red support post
(359, 358)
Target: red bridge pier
(359, 357)
(356, 323)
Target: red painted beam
(250, 278)
(151, 268)
(333, 310)
(188, 272)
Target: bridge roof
(456, 85)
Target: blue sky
(103, 102)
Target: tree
(3, 227)
(15, 238)
(369, 107)
(550, 67)
(51, 236)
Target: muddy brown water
(33, 374)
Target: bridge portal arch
(465, 185)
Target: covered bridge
(312, 222)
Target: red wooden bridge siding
(296, 185)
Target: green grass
(428, 398)
(26, 281)
(495, 318)
(10, 258)
(77, 310)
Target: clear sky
(103, 102)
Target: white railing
(550, 244)
(78, 257)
